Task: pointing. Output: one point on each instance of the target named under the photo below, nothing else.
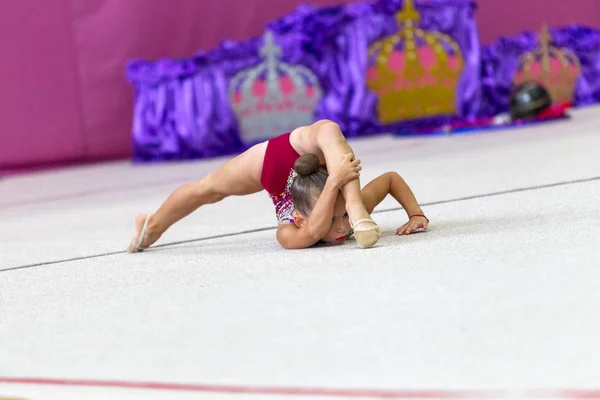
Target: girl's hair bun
(307, 164)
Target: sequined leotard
(276, 177)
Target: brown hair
(309, 183)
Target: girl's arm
(392, 183)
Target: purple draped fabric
(182, 107)
(178, 112)
(352, 105)
(500, 62)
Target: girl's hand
(414, 223)
(346, 171)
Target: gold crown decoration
(557, 69)
(273, 97)
(418, 80)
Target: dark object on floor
(528, 100)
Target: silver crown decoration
(263, 116)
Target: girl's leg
(237, 177)
(325, 139)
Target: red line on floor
(296, 391)
(231, 389)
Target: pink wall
(39, 92)
(63, 95)
(510, 17)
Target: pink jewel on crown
(273, 97)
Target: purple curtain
(183, 108)
(177, 112)
(214, 103)
(500, 62)
(354, 106)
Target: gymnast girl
(306, 195)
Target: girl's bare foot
(144, 236)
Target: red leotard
(278, 166)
